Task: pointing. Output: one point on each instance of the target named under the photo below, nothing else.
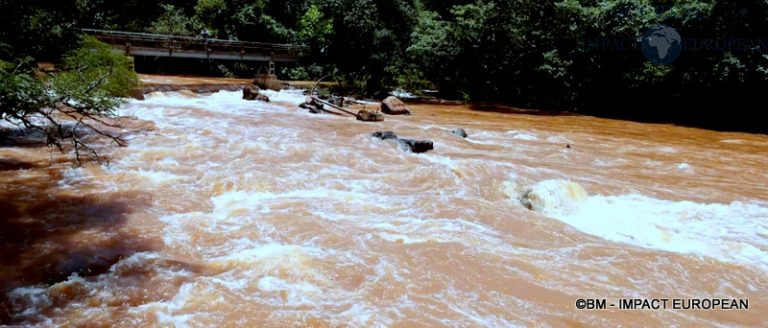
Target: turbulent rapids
(228, 212)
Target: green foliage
(211, 14)
(91, 81)
(173, 21)
(524, 52)
(20, 91)
(295, 73)
(314, 28)
(94, 78)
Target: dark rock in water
(253, 92)
(384, 135)
(369, 116)
(414, 146)
(417, 146)
(459, 132)
(394, 106)
(250, 92)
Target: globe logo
(661, 44)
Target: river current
(225, 212)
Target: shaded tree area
(71, 101)
(526, 53)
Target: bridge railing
(185, 43)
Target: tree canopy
(526, 52)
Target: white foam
(295, 97)
(155, 105)
(71, 176)
(523, 135)
(554, 195)
(295, 294)
(684, 167)
(735, 232)
(158, 177)
(250, 200)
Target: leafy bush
(88, 87)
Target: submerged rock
(459, 132)
(253, 92)
(416, 146)
(394, 106)
(553, 195)
(384, 135)
(411, 145)
(369, 116)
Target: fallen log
(325, 103)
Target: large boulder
(369, 116)
(394, 106)
(416, 146)
(253, 92)
(411, 145)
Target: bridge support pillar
(271, 70)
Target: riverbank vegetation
(64, 106)
(526, 53)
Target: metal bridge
(158, 45)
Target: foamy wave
(295, 97)
(553, 195)
(228, 102)
(523, 135)
(735, 232)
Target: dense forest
(526, 53)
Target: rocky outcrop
(369, 116)
(253, 92)
(416, 146)
(459, 132)
(411, 145)
(394, 106)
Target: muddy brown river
(224, 212)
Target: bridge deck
(158, 45)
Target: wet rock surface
(394, 106)
(411, 145)
(416, 146)
(253, 92)
(369, 116)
